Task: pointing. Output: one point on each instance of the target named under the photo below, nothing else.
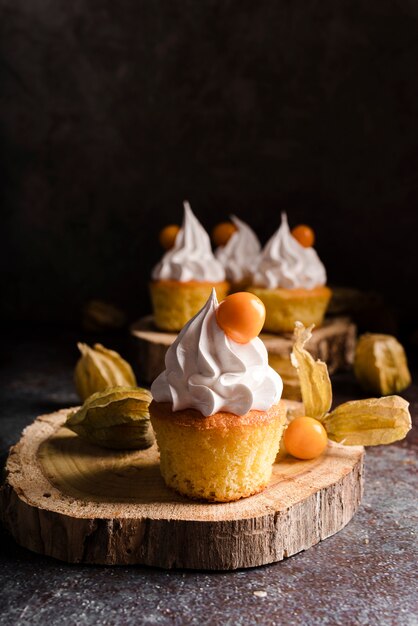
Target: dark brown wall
(113, 112)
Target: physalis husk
(313, 375)
(116, 418)
(380, 364)
(369, 422)
(99, 368)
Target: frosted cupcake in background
(216, 411)
(290, 279)
(239, 255)
(183, 280)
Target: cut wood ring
(79, 503)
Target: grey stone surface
(364, 575)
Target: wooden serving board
(79, 503)
(334, 343)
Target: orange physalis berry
(305, 438)
(222, 233)
(241, 316)
(304, 235)
(167, 236)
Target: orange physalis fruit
(167, 236)
(222, 233)
(305, 438)
(241, 316)
(304, 235)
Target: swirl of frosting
(191, 257)
(285, 263)
(207, 371)
(239, 254)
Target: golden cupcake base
(220, 458)
(175, 303)
(286, 306)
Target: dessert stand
(68, 499)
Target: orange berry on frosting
(304, 235)
(222, 233)
(305, 438)
(167, 236)
(241, 316)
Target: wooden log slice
(79, 503)
(334, 343)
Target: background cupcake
(239, 255)
(290, 280)
(183, 280)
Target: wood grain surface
(79, 503)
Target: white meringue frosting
(207, 371)
(284, 262)
(239, 254)
(191, 257)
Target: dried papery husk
(314, 379)
(100, 368)
(99, 316)
(380, 364)
(370, 422)
(117, 418)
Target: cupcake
(183, 280)
(216, 410)
(290, 280)
(239, 255)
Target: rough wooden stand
(333, 343)
(73, 501)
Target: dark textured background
(113, 112)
